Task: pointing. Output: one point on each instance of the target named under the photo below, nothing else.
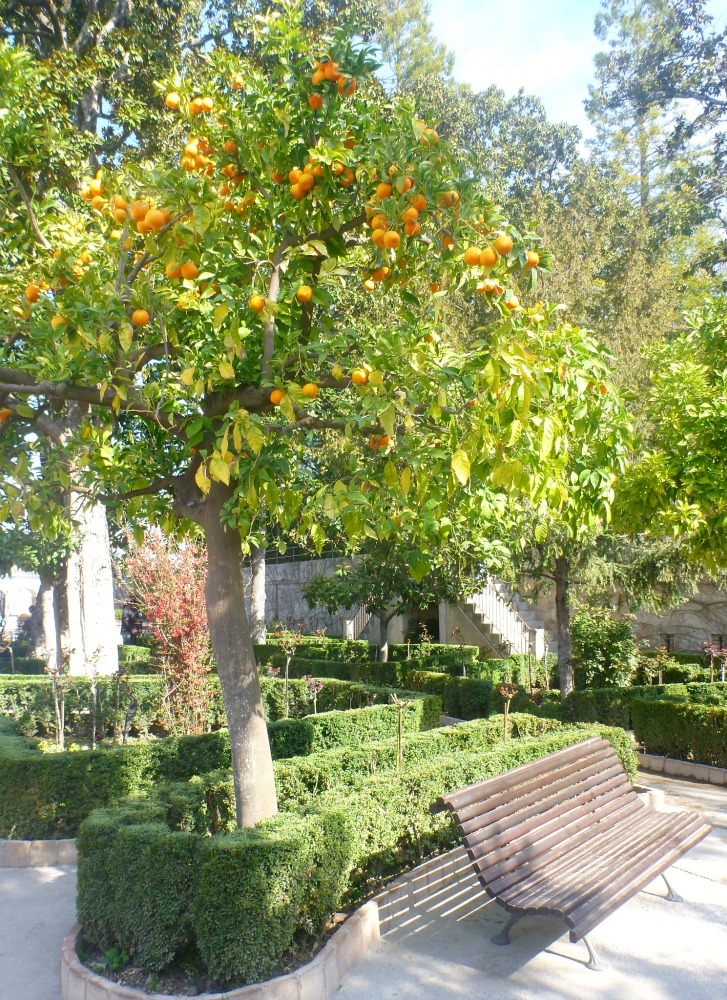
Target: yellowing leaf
(226, 370)
(237, 438)
(388, 419)
(390, 475)
(202, 480)
(126, 337)
(547, 439)
(255, 437)
(461, 465)
(337, 371)
(286, 407)
(219, 314)
(219, 469)
(406, 480)
(187, 376)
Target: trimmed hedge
(420, 651)
(29, 702)
(293, 737)
(241, 897)
(462, 697)
(612, 705)
(28, 665)
(48, 795)
(313, 647)
(682, 730)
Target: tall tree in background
(409, 48)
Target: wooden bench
(567, 836)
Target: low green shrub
(23, 665)
(683, 730)
(361, 671)
(48, 795)
(611, 706)
(314, 647)
(134, 654)
(462, 697)
(422, 652)
(240, 897)
(29, 702)
(292, 737)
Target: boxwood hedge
(686, 731)
(240, 897)
(48, 795)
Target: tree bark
(47, 639)
(562, 620)
(257, 595)
(92, 639)
(252, 764)
(384, 638)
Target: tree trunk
(562, 619)
(92, 638)
(252, 764)
(257, 595)
(384, 638)
(47, 639)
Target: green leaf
(201, 218)
(461, 466)
(24, 411)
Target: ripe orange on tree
(256, 303)
(503, 244)
(472, 256)
(316, 101)
(310, 389)
(172, 101)
(488, 257)
(5, 414)
(533, 259)
(275, 396)
(359, 376)
(392, 239)
(189, 270)
(140, 317)
(304, 293)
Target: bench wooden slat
(457, 801)
(566, 889)
(574, 865)
(577, 846)
(558, 840)
(542, 798)
(584, 919)
(533, 819)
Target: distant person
(132, 625)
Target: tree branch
(20, 187)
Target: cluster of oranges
(303, 181)
(383, 227)
(196, 156)
(378, 441)
(327, 71)
(147, 218)
(197, 106)
(310, 389)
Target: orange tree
(195, 311)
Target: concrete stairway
(507, 623)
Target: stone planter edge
(37, 853)
(682, 769)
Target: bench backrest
(540, 810)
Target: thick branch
(20, 187)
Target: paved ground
(37, 907)
(694, 796)
(654, 950)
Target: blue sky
(545, 47)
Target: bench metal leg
(503, 937)
(592, 962)
(672, 896)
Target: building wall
(690, 625)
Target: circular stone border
(318, 980)
(37, 853)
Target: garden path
(37, 907)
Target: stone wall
(693, 623)
(284, 601)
